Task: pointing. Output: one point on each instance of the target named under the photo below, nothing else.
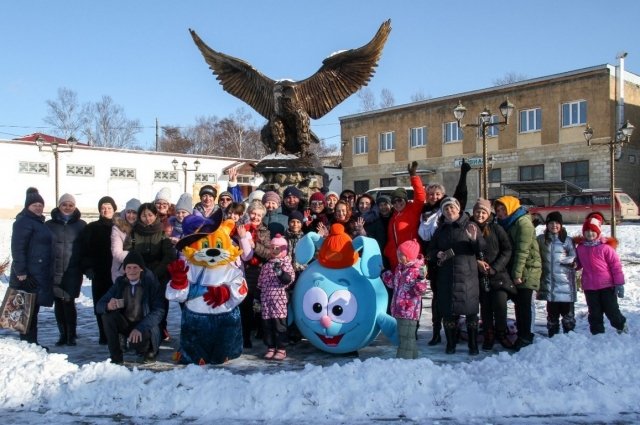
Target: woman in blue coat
(66, 227)
(32, 253)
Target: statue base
(281, 171)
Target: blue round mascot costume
(340, 303)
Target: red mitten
(216, 295)
(178, 271)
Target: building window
(360, 186)
(165, 176)
(389, 181)
(532, 172)
(452, 132)
(387, 141)
(576, 172)
(574, 113)
(495, 175)
(80, 170)
(360, 145)
(530, 120)
(418, 137)
(206, 178)
(492, 130)
(27, 167)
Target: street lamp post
(54, 147)
(196, 165)
(622, 137)
(506, 109)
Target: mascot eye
(205, 243)
(219, 244)
(314, 303)
(343, 306)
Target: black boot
(553, 329)
(451, 332)
(488, 339)
(63, 335)
(71, 335)
(472, 333)
(435, 339)
(501, 336)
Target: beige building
(543, 141)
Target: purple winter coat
(601, 267)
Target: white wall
(88, 190)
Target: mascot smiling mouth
(331, 341)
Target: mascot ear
(370, 257)
(306, 247)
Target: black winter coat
(154, 246)
(32, 255)
(458, 286)
(497, 253)
(96, 250)
(153, 302)
(67, 252)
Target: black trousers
(493, 310)
(556, 309)
(275, 333)
(66, 316)
(522, 301)
(603, 301)
(115, 324)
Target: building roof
(47, 138)
(629, 76)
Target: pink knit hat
(271, 196)
(410, 249)
(278, 240)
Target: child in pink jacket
(409, 283)
(602, 277)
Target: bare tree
(509, 78)
(387, 99)
(109, 125)
(419, 95)
(65, 114)
(367, 99)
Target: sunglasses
(225, 199)
(349, 197)
(317, 203)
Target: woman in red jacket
(405, 220)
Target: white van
(377, 191)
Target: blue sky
(141, 54)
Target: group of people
(473, 264)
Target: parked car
(388, 190)
(575, 207)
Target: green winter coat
(525, 259)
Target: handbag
(17, 310)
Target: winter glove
(277, 268)
(178, 271)
(216, 295)
(29, 284)
(620, 291)
(257, 307)
(464, 167)
(422, 273)
(412, 168)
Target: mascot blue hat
(194, 227)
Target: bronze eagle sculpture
(287, 104)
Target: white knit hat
(164, 195)
(67, 197)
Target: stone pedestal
(280, 171)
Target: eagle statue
(288, 105)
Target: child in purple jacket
(602, 277)
(409, 283)
(275, 277)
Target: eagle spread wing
(239, 78)
(340, 75)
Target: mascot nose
(214, 252)
(325, 321)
